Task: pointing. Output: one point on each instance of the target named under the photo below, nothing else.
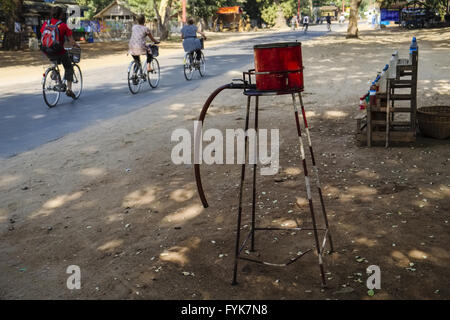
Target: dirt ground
(110, 200)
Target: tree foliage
(206, 9)
(144, 7)
(270, 9)
(269, 14)
(95, 6)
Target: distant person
(293, 22)
(190, 40)
(328, 17)
(137, 46)
(377, 22)
(57, 51)
(305, 23)
(341, 19)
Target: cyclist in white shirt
(305, 22)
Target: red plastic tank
(279, 67)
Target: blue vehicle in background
(419, 15)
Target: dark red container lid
(277, 45)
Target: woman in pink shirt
(137, 46)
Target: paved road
(26, 122)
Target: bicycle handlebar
(71, 48)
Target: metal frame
(250, 91)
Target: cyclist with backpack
(54, 32)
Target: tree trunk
(13, 13)
(202, 24)
(352, 31)
(163, 17)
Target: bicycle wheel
(134, 79)
(77, 83)
(154, 75)
(51, 87)
(202, 65)
(188, 66)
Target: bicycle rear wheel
(154, 75)
(134, 79)
(202, 66)
(51, 87)
(77, 83)
(188, 66)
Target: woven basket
(434, 121)
(155, 50)
(75, 54)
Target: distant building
(116, 11)
(228, 18)
(115, 21)
(36, 12)
(331, 10)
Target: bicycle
(192, 63)
(305, 27)
(136, 75)
(53, 85)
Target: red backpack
(50, 40)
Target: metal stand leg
(308, 191)
(238, 231)
(316, 171)
(252, 248)
(388, 113)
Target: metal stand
(250, 91)
(241, 246)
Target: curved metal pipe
(201, 118)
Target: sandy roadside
(135, 232)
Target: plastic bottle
(373, 94)
(377, 80)
(382, 82)
(412, 48)
(393, 65)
